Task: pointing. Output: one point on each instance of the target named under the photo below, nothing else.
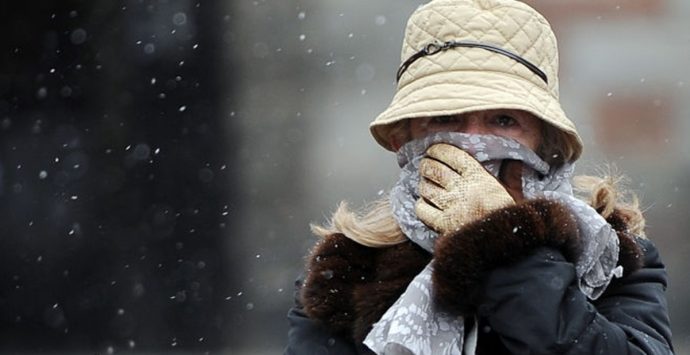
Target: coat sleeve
(536, 307)
(308, 336)
(515, 271)
(633, 308)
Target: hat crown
(506, 24)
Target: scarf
(413, 325)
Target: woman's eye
(443, 119)
(505, 121)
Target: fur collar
(349, 286)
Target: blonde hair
(374, 224)
(607, 195)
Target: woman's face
(519, 125)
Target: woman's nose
(475, 124)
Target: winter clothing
(472, 55)
(520, 285)
(472, 192)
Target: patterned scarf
(413, 325)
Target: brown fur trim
(350, 286)
(396, 267)
(335, 264)
(461, 259)
(630, 255)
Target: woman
(481, 247)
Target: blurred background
(161, 160)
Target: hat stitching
(446, 70)
(550, 99)
(534, 41)
(515, 68)
(441, 68)
(507, 37)
(541, 40)
(545, 103)
(434, 48)
(504, 7)
(544, 111)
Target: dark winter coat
(521, 285)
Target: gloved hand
(455, 189)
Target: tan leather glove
(455, 189)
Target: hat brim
(449, 93)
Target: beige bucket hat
(467, 55)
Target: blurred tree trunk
(115, 177)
